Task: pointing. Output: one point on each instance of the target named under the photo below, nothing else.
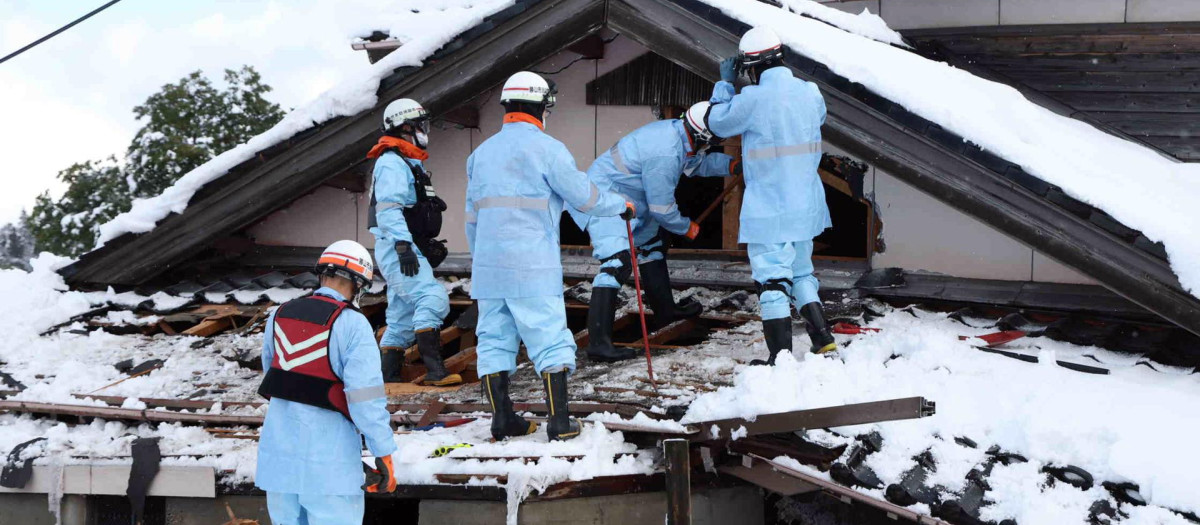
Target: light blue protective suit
(783, 206)
(517, 182)
(414, 303)
(645, 166)
(310, 458)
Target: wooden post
(679, 481)
(732, 208)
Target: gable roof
(695, 35)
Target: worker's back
(780, 122)
(514, 213)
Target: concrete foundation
(34, 509)
(742, 505)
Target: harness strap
(777, 285)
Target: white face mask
(421, 139)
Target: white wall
(924, 234)
(915, 14)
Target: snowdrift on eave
(1132, 183)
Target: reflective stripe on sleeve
(524, 203)
(772, 152)
(379, 206)
(617, 161)
(592, 200)
(369, 393)
(661, 209)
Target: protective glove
(735, 167)
(630, 211)
(729, 69)
(382, 478)
(693, 231)
(409, 264)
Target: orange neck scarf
(523, 117)
(406, 148)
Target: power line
(57, 31)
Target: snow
(1134, 184)
(1132, 425)
(1135, 425)
(864, 24)
(422, 29)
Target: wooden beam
(731, 209)
(679, 481)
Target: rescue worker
(645, 167)
(326, 395)
(779, 118)
(405, 217)
(517, 182)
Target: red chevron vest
(300, 369)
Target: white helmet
(758, 45)
(404, 110)
(694, 121)
(348, 260)
(528, 87)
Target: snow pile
(865, 23)
(1134, 184)
(422, 29)
(36, 300)
(1134, 425)
(530, 463)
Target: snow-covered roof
(1133, 184)
(1134, 424)
(421, 28)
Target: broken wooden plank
(622, 390)
(403, 389)
(463, 479)
(431, 413)
(210, 327)
(127, 414)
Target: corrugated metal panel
(648, 80)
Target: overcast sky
(71, 99)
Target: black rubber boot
(778, 333)
(560, 426)
(601, 312)
(656, 282)
(818, 329)
(505, 421)
(391, 360)
(429, 345)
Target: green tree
(96, 192)
(189, 122)
(184, 125)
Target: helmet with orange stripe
(759, 50)
(694, 121)
(348, 260)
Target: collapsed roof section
(695, 35)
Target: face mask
(421, 140)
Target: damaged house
(970, 202)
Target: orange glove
(382, 478)
(693, 231)
(630, 211)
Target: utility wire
(57, 31)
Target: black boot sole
(611, 359)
